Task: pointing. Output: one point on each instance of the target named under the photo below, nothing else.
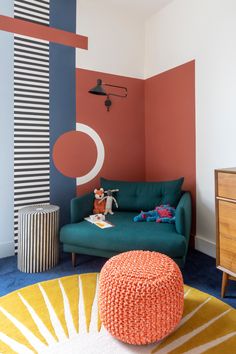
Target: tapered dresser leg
(73, 259)
(225, 278)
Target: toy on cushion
(166, 214)
(162, 213)
(99, 205)
(150, 215)
(109, 200)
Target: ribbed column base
(38, 248)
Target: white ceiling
(142, 8)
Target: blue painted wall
(62, 100)
(6, 136)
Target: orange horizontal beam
(46, 33)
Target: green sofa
(82, 237)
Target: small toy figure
(99, 205)
(109, 200)
(166, 214)
(162, 213)
(146, 216)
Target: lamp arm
(115, 94)
(122, 87)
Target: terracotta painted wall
(170, 126)
(121, 129)
(150, 135)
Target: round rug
(61, 316)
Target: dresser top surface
(230, 170)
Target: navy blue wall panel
(62, 100)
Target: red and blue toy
(161, 214)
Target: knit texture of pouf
(141, 296)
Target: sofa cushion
(136, 196)
(126, 236)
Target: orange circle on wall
(74, 154)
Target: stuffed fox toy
(99, 204)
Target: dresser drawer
(226, 185)
(227, 235)
(227, 252)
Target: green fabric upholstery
(81, 207)
(136, 196)
(183, 216)
(171, 239)
(104, 253)
(126, 236)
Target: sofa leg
(73, 259)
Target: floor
(199, 272)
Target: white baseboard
(205, 246)
(7, 249)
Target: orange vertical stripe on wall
(170, 127)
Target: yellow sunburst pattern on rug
(61, 316)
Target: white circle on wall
(100, 153)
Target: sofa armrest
(81, 207)
(183, 216)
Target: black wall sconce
(99, 90)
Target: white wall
(116, 38)
(203, 30)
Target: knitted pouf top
(141, 296)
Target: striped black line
(35, 164)
(32, 18)
(35, 64)
(35, 153)
(31, 9)
(29, 158)
(27, 201)
(29, 91)
(42, 200)
(29, 140)
(31, 169)
(38, 186)
(41, 70)
(38, 181)
(20, 66)
(24, 45)
(29, 119)
(29, 20)
(21, 100)
(30, 72)
(31, 112)
(29, 51)
(30, 13)
(22, 96)
(30, 41)
(22, 8)
(41, 4)
(36, 195)
(32, 81)
(25, 17)
(33, 189)
(20, 55)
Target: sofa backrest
(136, 196)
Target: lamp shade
(98, 89)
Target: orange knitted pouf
(141, 296)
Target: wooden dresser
(225, 188)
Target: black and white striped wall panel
(31, 111)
